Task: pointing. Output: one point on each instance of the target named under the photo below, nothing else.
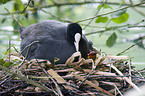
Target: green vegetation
(118, 20)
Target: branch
(125, 78)
(130, 47)
(57, 16)
(95, 14)
(26, 56)
(117, 27)
(29, 46)
(82, 3)
(67, 4)
(47, 74)
(111, 12)
(140, 12)
(13, 17)
(16, 12)
(137, 10)
(26, 6)
(113, 28)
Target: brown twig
(138, 73)
(100, 60)
(26, 56)
(82, 3)
(69, 3)
(128, 80)
(46, 73)
(18, 74)
(113, 84)
(5, 80)
(93, 85)
(29, 46)
(63, 77)
(93, 68)
(13, 17)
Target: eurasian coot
(56, 40)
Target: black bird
(56, 40)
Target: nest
(106, 75)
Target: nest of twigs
(107, 75)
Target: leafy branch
(74, 3)
(111, 12)
(83, 3)
(96, 13)
(117, 27)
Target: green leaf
(121, 19)
(108, 28)
(101, 19)
(6, 52)
(18, 5)
(3, 20)
(3, 1)
(99, 7)
(7, 64)
(1, 62)
(118, 13)
(111, 40)
(105, 6)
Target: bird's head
(74, 34)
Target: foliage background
(112, 29)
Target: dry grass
(107, 75)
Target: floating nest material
(105, 76)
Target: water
(7, 35)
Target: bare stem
(130, 47)
(26, 6)
(13, 17)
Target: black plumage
(56, 40)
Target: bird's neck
(70, 38)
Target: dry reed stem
(92, 84)
(59, 79)
(18, 74)
(128, 80)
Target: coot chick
(56, 40)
